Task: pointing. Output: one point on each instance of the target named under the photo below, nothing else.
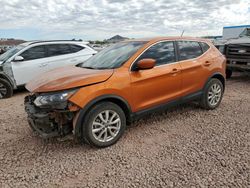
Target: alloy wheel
(3, 91)
(106, 126)
(214, 94)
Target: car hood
(67, 78)
(241, 40)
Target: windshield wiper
(96, 68)
(88, 67)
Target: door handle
(207, 63)
(175, 70)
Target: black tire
(205, 97)
(88, 136)
(4, 84)
(229, 73)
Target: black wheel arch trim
(85, 109)
(7, 78)
(214, 76)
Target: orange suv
(95, 100)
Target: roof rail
(39, 41)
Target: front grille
(238, 51)
(30, 99)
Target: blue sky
(27, 33)
(101, 19)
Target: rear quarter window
(205, 47)
(76, 48)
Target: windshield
(113, 56)
(246, 32)
(5, 56)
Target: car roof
(53, 42)
(156, 39)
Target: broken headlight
(53, 99)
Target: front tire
(212, 95)
(6, 90)
(103, 125)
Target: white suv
(22, 63)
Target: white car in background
(22, 63)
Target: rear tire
(103, 125)
(6, 90)
(212, 95)
(229, 73)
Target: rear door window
(64, 48)
(188, 50)
(32, 53)
(58, 49)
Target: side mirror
(144, 64)
(18, 58)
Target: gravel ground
(182, 147)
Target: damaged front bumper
(49, 122)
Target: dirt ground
(182, 147)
